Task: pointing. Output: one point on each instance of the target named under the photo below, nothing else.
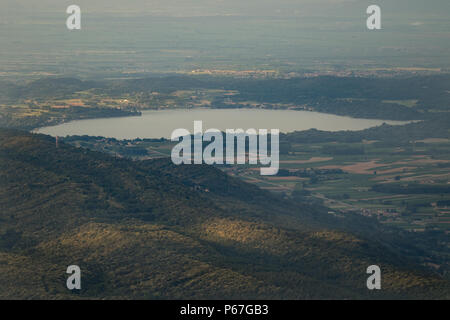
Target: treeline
(45, 88)
(299, 89)
(369, 109)
(354, 96)
(55, 117)
(438, 127)
(308, 173)
(411, 188)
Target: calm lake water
(161, 123)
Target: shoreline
(291, 126)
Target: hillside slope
(150, 230)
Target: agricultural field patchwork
(406, 186)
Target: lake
(161, 123)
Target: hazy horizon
(171, 36)
(411, 8)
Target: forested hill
(152, 230)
